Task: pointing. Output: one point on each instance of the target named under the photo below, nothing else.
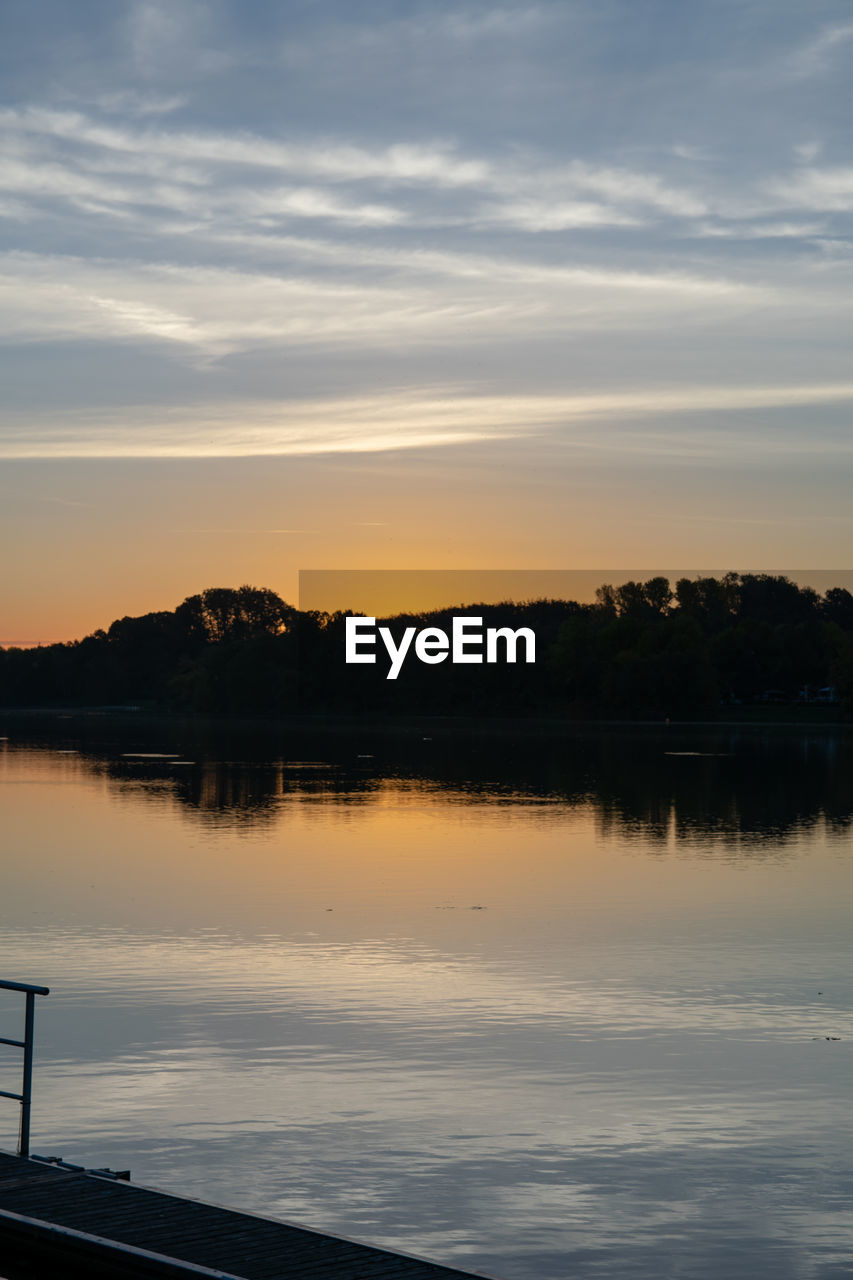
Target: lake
(543, 1003)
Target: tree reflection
(728, 786)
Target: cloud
(138, 318)
(542, 215)
(215, 224)
(184, 191)
(418, 419)
(824, 190)
(309, 202)
(431, 299)
(815, 57)
(497, 269)
(161, 36)
(835, 248)
(630, 187)
(403, 163)
(132, 102)
(501, 21)
(206, 181)
(808, 151)
(757, 230)
(15, 209)
(525, 191)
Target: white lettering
(511, 637)
(395, 653)
(353, 639)
(431, 645)
(460, 639)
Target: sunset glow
(573, 292)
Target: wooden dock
(61, 1220)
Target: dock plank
(174, 1231)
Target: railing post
(27, 1089)
(25, 1097)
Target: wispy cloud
(757, 230)
(412, 419)
(206, 175)
(166, 181)
(219, 311)
(631, 187)
(814, 57)
(173, 232)
(401, 163)
(132, 102)
(555, 215)
(808, 151)
(824, 190)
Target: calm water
(542, 1007)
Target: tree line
(698, 649)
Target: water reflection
(727, 783)
(542, 1006)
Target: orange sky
(504, 290)
(88, 541)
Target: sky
(417, 285)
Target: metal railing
(25, 1097)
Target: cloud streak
(420, 419)
(426, 299)
(68, 151)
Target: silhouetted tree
(223, 613)
(837, 607)
(639, 651)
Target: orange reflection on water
(302, 848)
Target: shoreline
(405, 723)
